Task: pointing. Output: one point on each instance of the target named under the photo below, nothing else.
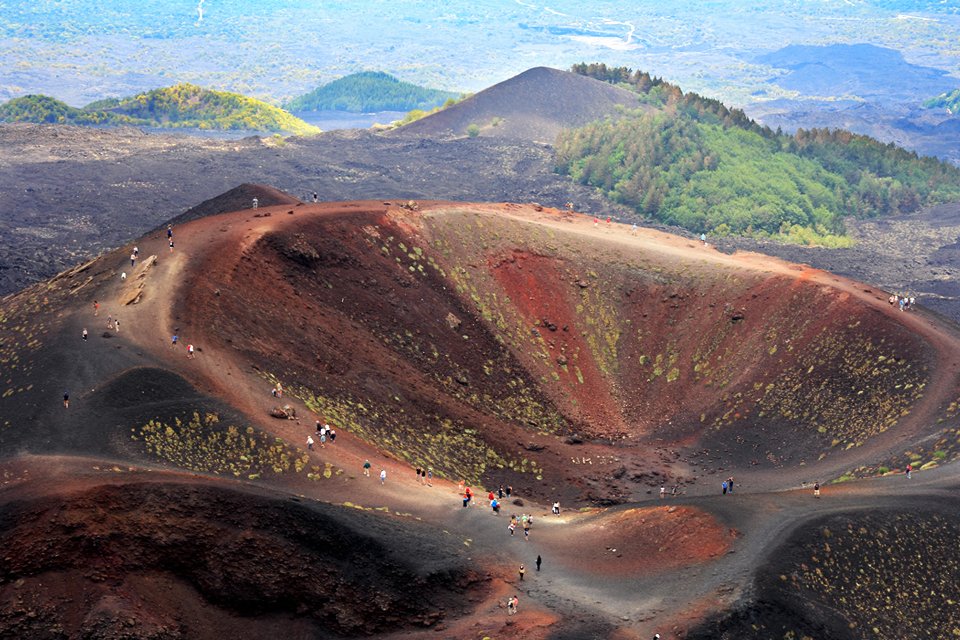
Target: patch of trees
(949, 101)
(370, 91)
(182, 105)
(699, 165)
(187, 105)
(46, 110)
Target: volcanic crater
(512, 345)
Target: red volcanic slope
(478, 339)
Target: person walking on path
(730, 484)
(66, 399)
(724, 485)
(366, 468)
(310, 443)
(522, 570)
(96, 308)
(663, 492)
(133, 259)
(170, 244)
(116, 325)
(173, 340)
(539, 561)
(84, 334)
(511, 606)
(190, 351)
(383, 476)
(909, 470)
(816, 490)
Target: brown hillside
(535, 105)
(236, 199)
(499, 344)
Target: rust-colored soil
(642, 541)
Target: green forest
(367, 92)
(949, 101)
(699, 165)
(46, 110)
(182, 105)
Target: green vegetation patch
(203, 444)
(889, 575)
(847, 387)
(369, 91)
(447, 446)
(694, 163)
(949, 101)
(180, 106)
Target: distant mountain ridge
(180, 106)
(367, 92)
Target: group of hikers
(904, 301)
(324, 432)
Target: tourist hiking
(383, 476)
(366, 468)
(539, 561)
(816, 490)
(522, 571)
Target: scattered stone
(453, 321)
(286, 412)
